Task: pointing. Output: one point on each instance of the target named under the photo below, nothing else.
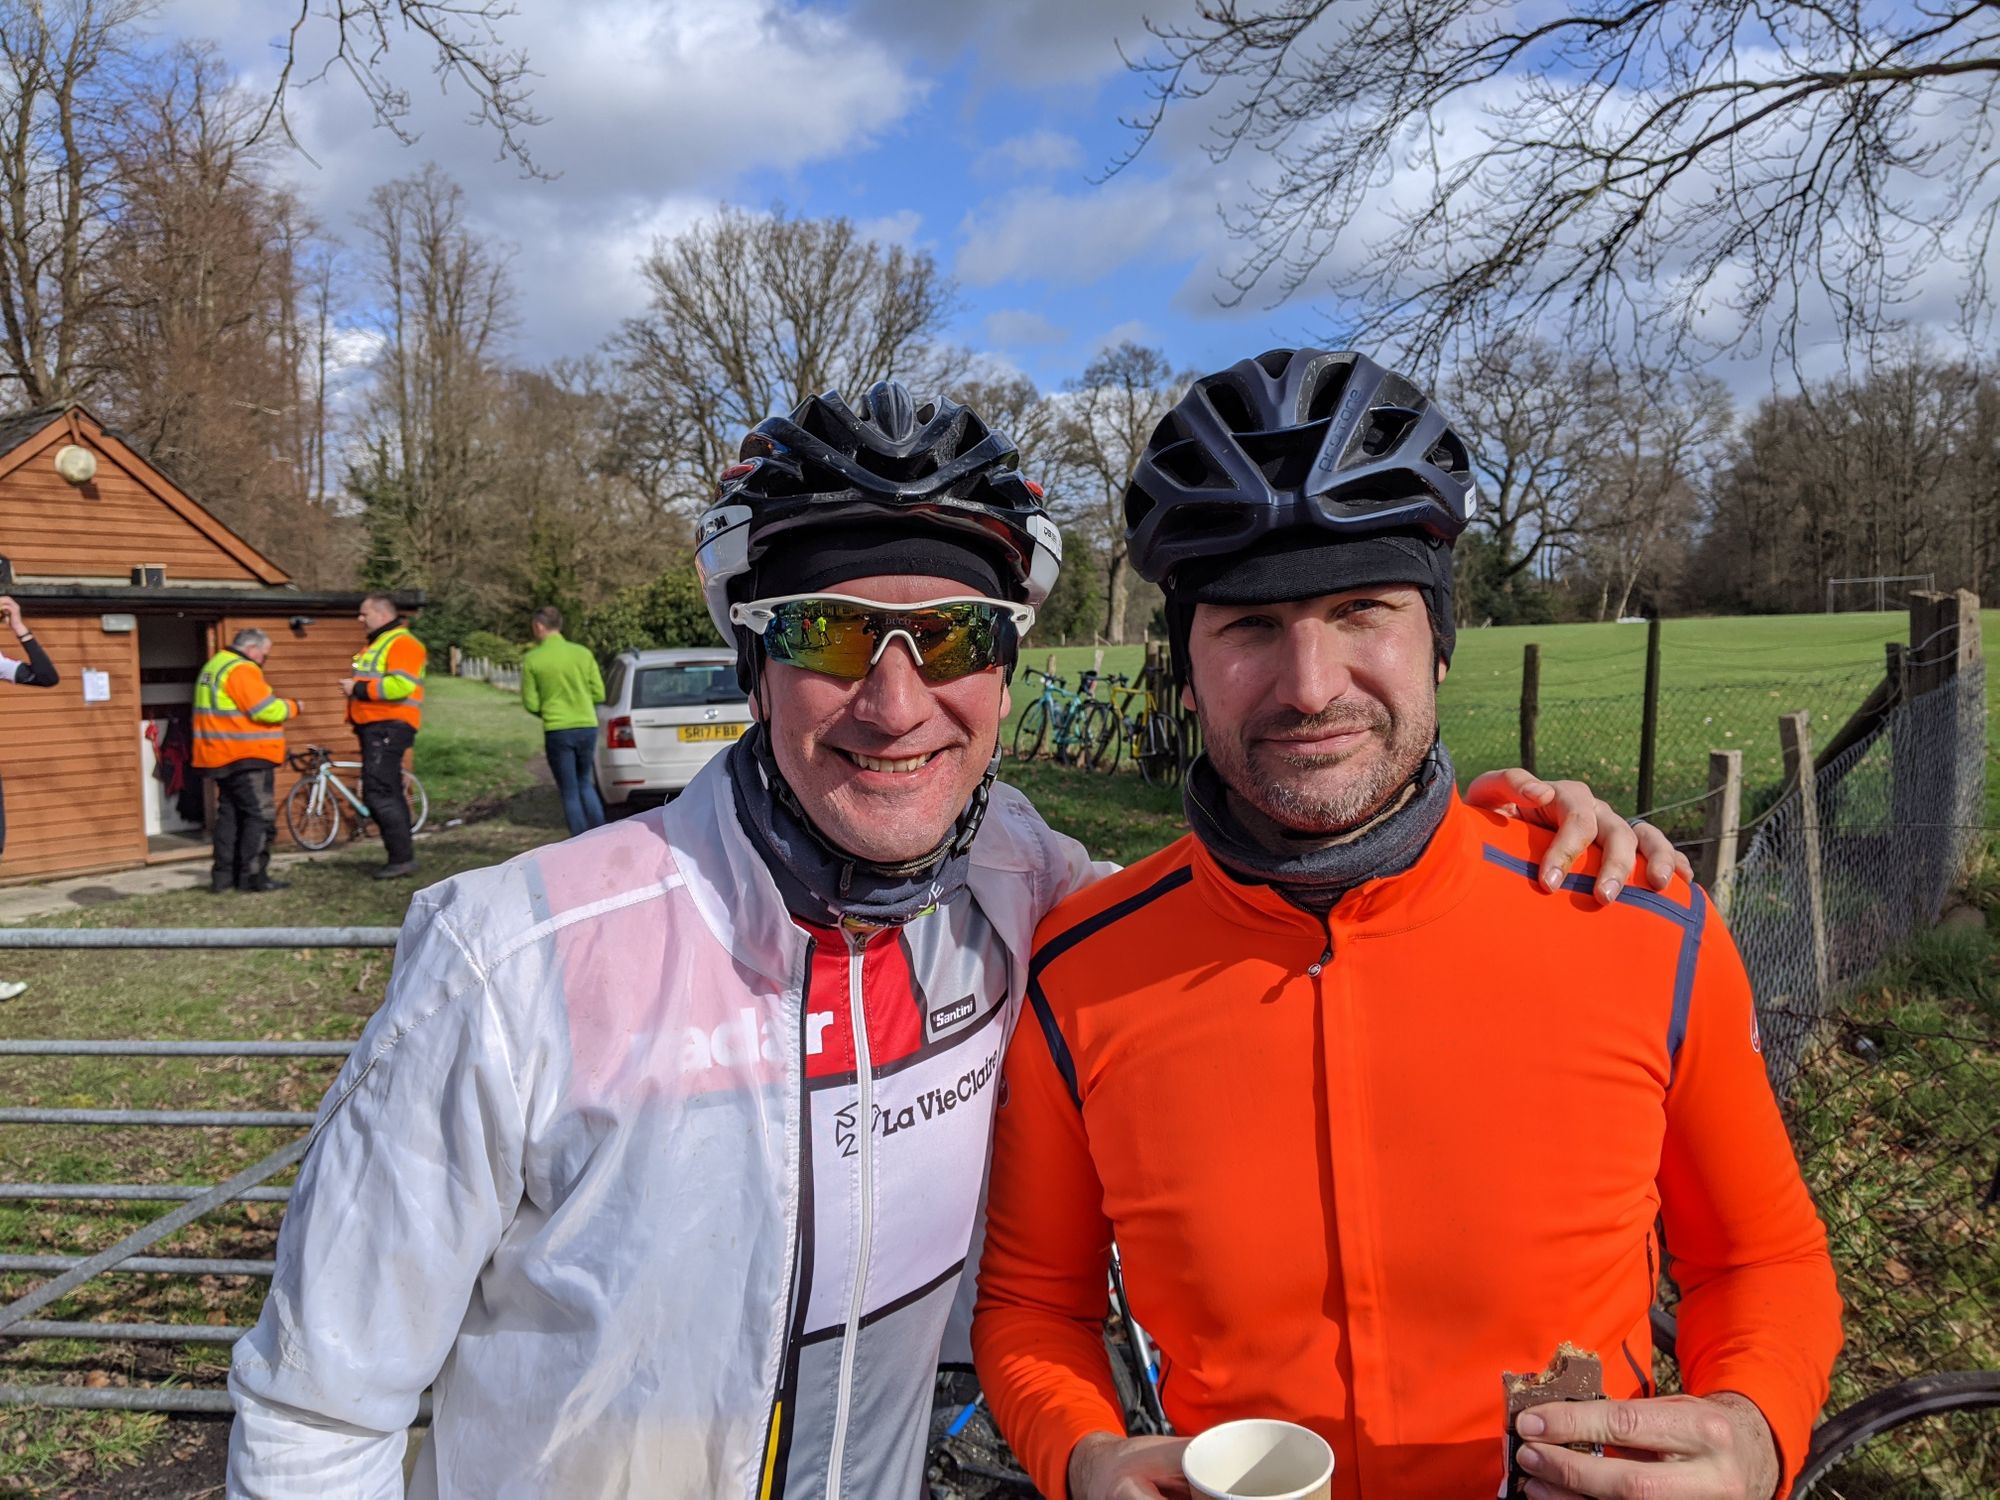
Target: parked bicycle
(1146, 732)
(312, 807)
(1072, 723)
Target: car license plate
(711, 731)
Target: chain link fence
(1891, 1088)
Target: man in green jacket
(560, 683)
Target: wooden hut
(130, 585)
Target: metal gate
(67, 1273)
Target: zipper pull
(1325, 958)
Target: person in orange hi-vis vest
(1372, 1112)
(385, 704)
(239, 738)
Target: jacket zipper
(865, 1107)
(1319, 964)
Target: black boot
(266, 883)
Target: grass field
(1723, 683)
(478, 747)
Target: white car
(664, 714)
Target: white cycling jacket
(663, 1194)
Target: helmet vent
(1188, 462)
(1449, 454)
(1387, 426)
(1286, 456)
(1274, 362)
(1231, 407)
(1326, 395)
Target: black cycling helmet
(898, 466)
(1263, 476)
(1295, 438)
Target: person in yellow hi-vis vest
(239, 738)
(385, 704)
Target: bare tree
(1892, 473)
(203, 353)
(1705, 170)
(1654, 445)
(447, 304)
(64, 70)
(463, 40)
(1528, 411)
(751, 313)
(1109, 413)
(562, 522)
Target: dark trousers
(568, 751)
(382, 749)
(246, 820)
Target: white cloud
(1038, 151)
(1131, 331)
(1022, 43)
(655, 109)
(1012, 327)
(1067, 238)
(899, 228)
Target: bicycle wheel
(312, 814)
(1100, 737)
(1157, 758)
(1109, 753)
(1063, 743)
(1930, 1436)
(419, 800)
(1031, 731)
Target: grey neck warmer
(824, 884)
(1309, 871)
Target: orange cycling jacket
(1358, 1167)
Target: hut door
(171, 651)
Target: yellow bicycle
(1146, 732)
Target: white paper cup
(1259, 1459)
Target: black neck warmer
(1309, 871)
(824, 884)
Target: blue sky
(977, 129)
(977, 133)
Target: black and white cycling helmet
(932, 466)
(1295, 439)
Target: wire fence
(1599, 739)
(1891, 1088)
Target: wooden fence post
(1649, 723)
(1531, 701)
(1720, 828)
(1795, 732)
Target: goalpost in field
(1874, 592)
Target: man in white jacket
(662, 1161)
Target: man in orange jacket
(385, 704)
(1372, 1114)
(239, 738)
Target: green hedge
(494, 648)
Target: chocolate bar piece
(1572, 1374)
